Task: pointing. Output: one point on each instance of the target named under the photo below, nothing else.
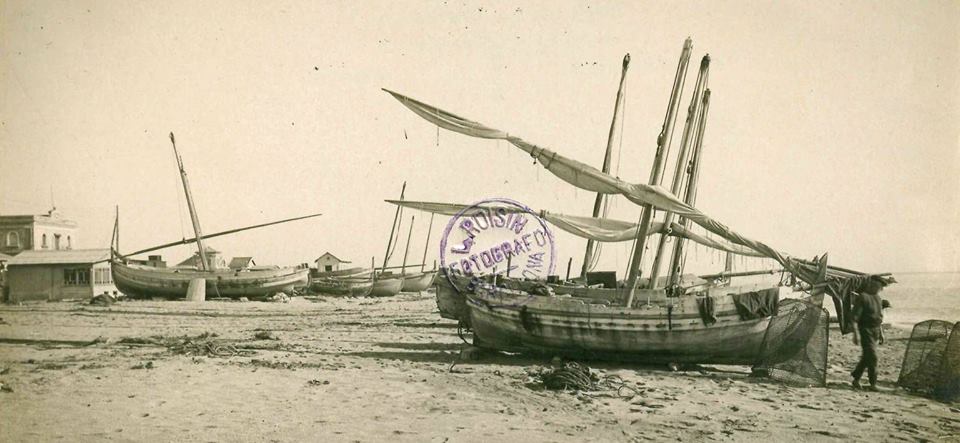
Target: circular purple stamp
(496, 241)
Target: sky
(833, 126)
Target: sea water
(916, 297)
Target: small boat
(352, 286)
(386, 286)
(418, 282)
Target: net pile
(794, 347)
(931, 364)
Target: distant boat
(136, 280)
(353, 282)
(386, 286)
(418, 282)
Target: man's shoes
(856, 385)
(872, 388)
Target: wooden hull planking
(418, 282)
(385, 286)
(147, 282)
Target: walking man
(868, 317)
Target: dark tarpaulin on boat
(757, 304)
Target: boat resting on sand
(418, 282)
(139, 281)
(353, 282)
(668, 330)
(386, 285)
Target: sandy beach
(341, 369)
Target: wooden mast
(656, 171)
(403, 269)
(688, 132)
(588, 255)
(691, 195)
(193, 211)
(426, 245)
(393, 226)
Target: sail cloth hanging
(597, 229)
(838, 284)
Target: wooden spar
(426, 245)
(656, 171)
(691, 195)
(386, 255)
(688, 129)
(588, 255)
(739, 274)
(116, 229)
(406, 250)
(193, 211)
(218, 234)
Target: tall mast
(656, 172)
(588, 255)
(427, 244)
(691, 195)
(386, 255)
(193, 210)
(688, 130)
(403, 269)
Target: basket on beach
(931, 364)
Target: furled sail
(839, 283)
(598, 229)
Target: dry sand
(380, 369)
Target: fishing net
(794, 347)
(931, 364)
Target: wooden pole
(386, 255)
(426, 245)
(569, 263)
(193, 210)
(588, 255)
(406, 250)
(688, 130)
(690, 197)
(656, 171)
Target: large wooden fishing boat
(138, 280)
(705, 322)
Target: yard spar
(670, 326)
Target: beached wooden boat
(136, 280)
(386, 286)
(654, 324)
(347, 286)
(418, 281)
(139, 281)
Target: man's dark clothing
(869, 339)
(868, 315)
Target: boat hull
(450, 302)
(351, 287)
(146, 282)
(669, 331)
(386, 286)
(418, 282)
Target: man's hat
(884, 304)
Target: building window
(43, 242)
(328, 268)
(13, 239)
(56, 241)
(102, 276)
(76, 276)
(69, 243)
